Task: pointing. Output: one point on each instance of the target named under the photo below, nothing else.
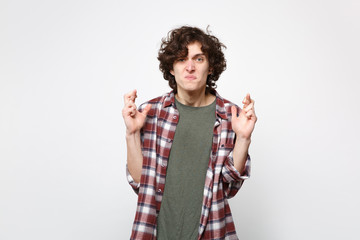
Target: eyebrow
(198, 55)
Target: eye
(180, 60)
(200, 59)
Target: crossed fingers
(248, 107)
(131, 96)
(130, 107)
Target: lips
(190, 77)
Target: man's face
(191, 71)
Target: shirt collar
(169, 99)
(220, 105)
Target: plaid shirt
(222, 179)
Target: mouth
(190, 77)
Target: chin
(193, 89)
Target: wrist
(243, 140)
(132, 134)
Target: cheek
(176, 69)
(206, 71)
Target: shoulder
(224, 105)
(228, 103)
(157, 103)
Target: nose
(190, 66)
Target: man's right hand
(134, 120)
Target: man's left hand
(243, 125)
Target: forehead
(194, 48)
(191, 50)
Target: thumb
(146, 109)
(233, 112)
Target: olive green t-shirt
(180, 210)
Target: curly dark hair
(174, 46)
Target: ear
(210, 71)
(172, 72)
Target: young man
(187, 151)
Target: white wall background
(65, 65)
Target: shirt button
(159, 190)
(174, 117)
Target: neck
(195, 99)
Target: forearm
(240, 153)
(134, 155)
